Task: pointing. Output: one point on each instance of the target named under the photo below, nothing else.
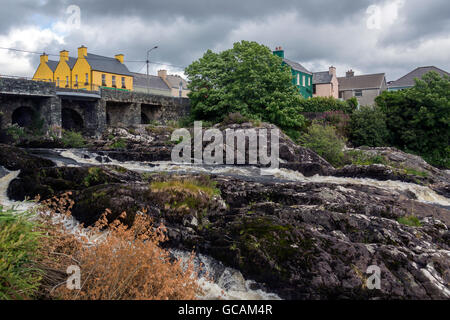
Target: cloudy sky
(369, 36)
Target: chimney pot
(162, 74)
(119, 57)
(44, 58)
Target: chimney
(82, 52)
(64, 55)
(350, 73)
(332, 71)
(162, 74)
(119, 57)
(279, 52)
(44, 58)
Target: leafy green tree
(247, 79)
(368, 127)
(418, 119)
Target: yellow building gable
(44, 71)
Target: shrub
(16, 132)
(324, 104)
(360, 158)
(19, 248)
(119, 144)
(72, 139)
(368, 127)
(411, 221)
(325, 142)
(125, 263)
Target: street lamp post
(148, 62)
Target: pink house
(325, 84)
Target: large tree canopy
(418, 119)
(247, 79)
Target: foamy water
(423, 193)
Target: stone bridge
(28, 102)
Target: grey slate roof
(408, 79)
(322, 77)
(106, 64)
(174, 81)
(296, 66)
(367, 81)
(140, 80)
(52, 65)
(71, 62)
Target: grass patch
(205, 185)
(72, 139)
(411, 221)
(185, 196)
(415, 172)
(19, 248)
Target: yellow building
(87, 71)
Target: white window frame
(304, 81)
(298, 79)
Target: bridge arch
(23, 116)
(71, 120)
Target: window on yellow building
(57, 82)
(123, 83)
(76, 80)
(87, 79)
(103, 79)
(67, 81)
(114, 81)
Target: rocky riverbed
(304, 231)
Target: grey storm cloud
(316, 33)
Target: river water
(228, 283)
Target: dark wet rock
(42, 142)
(13, 159)
(407, 166)
(380, 172)
(300, 240)
(3, 172)
(162, 153)
(48, 182)
(442, 188)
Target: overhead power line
(128, 61)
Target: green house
(301, 77)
